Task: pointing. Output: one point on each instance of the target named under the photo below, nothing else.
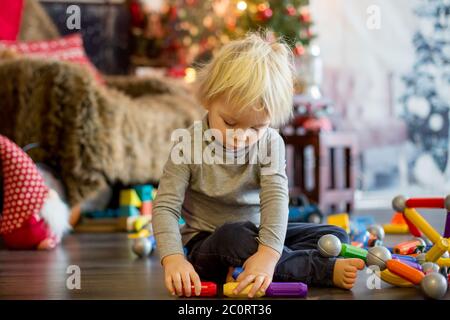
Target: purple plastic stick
(447, 226)
(410, 263)
(287, 289)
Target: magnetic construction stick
(404, 271)
(440, 247)
(426, 203)
(349, 251)
(209, 289)
(422, 224)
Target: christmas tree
(426, 101)
(191, 30)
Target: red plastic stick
(425, 203)
(412, 228)
(209, 289)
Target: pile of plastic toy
(411, 263)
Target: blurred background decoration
(183, 33)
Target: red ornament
(176, 71)
(172, 13)
(265, 14)
(290, 10)
(137, 16)
(305, 16)
(299, 50)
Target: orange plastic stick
(404, 271)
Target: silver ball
(377, 256)
(399, 203)
(428, 267)
(421, 258)
(377, 231)
(434, 285)
(447, 203)
(329, 245)
(142, 247)
(422, 241)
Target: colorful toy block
(146, 208)
(144, 192)
(154, 191)
(129, 197)
(128, 211)
(109, 213)
(341, 220)
(128, 224)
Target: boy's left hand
(258, 269)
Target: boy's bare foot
(345, 271)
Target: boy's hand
(179, 274)
(258, 269)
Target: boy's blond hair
(252, 72)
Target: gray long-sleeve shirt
(207, 194)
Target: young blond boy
(236, 212)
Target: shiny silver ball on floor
(434, 285)
(428, 267)
(142, 247)
(377, 231)
(377, 256)
(329, 245)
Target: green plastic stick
(349, 251)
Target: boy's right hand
(179, 274)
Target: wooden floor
(109, 270)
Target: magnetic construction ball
(428, 267)
(329, 245)
(434, 285)
(377, 231)
(377, 256)
(142, 247)
(399, 203)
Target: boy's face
(238, 130)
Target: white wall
(348, 45)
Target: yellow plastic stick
(422, 224)
(395, 228)
(436, 251)
(443, 262)
(230, 286)
(394, 280)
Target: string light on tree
(241, 5)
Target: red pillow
(10, 17)
(68, 48)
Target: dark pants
(230, 245)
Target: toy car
(302, 210)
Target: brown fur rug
(92, 134)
